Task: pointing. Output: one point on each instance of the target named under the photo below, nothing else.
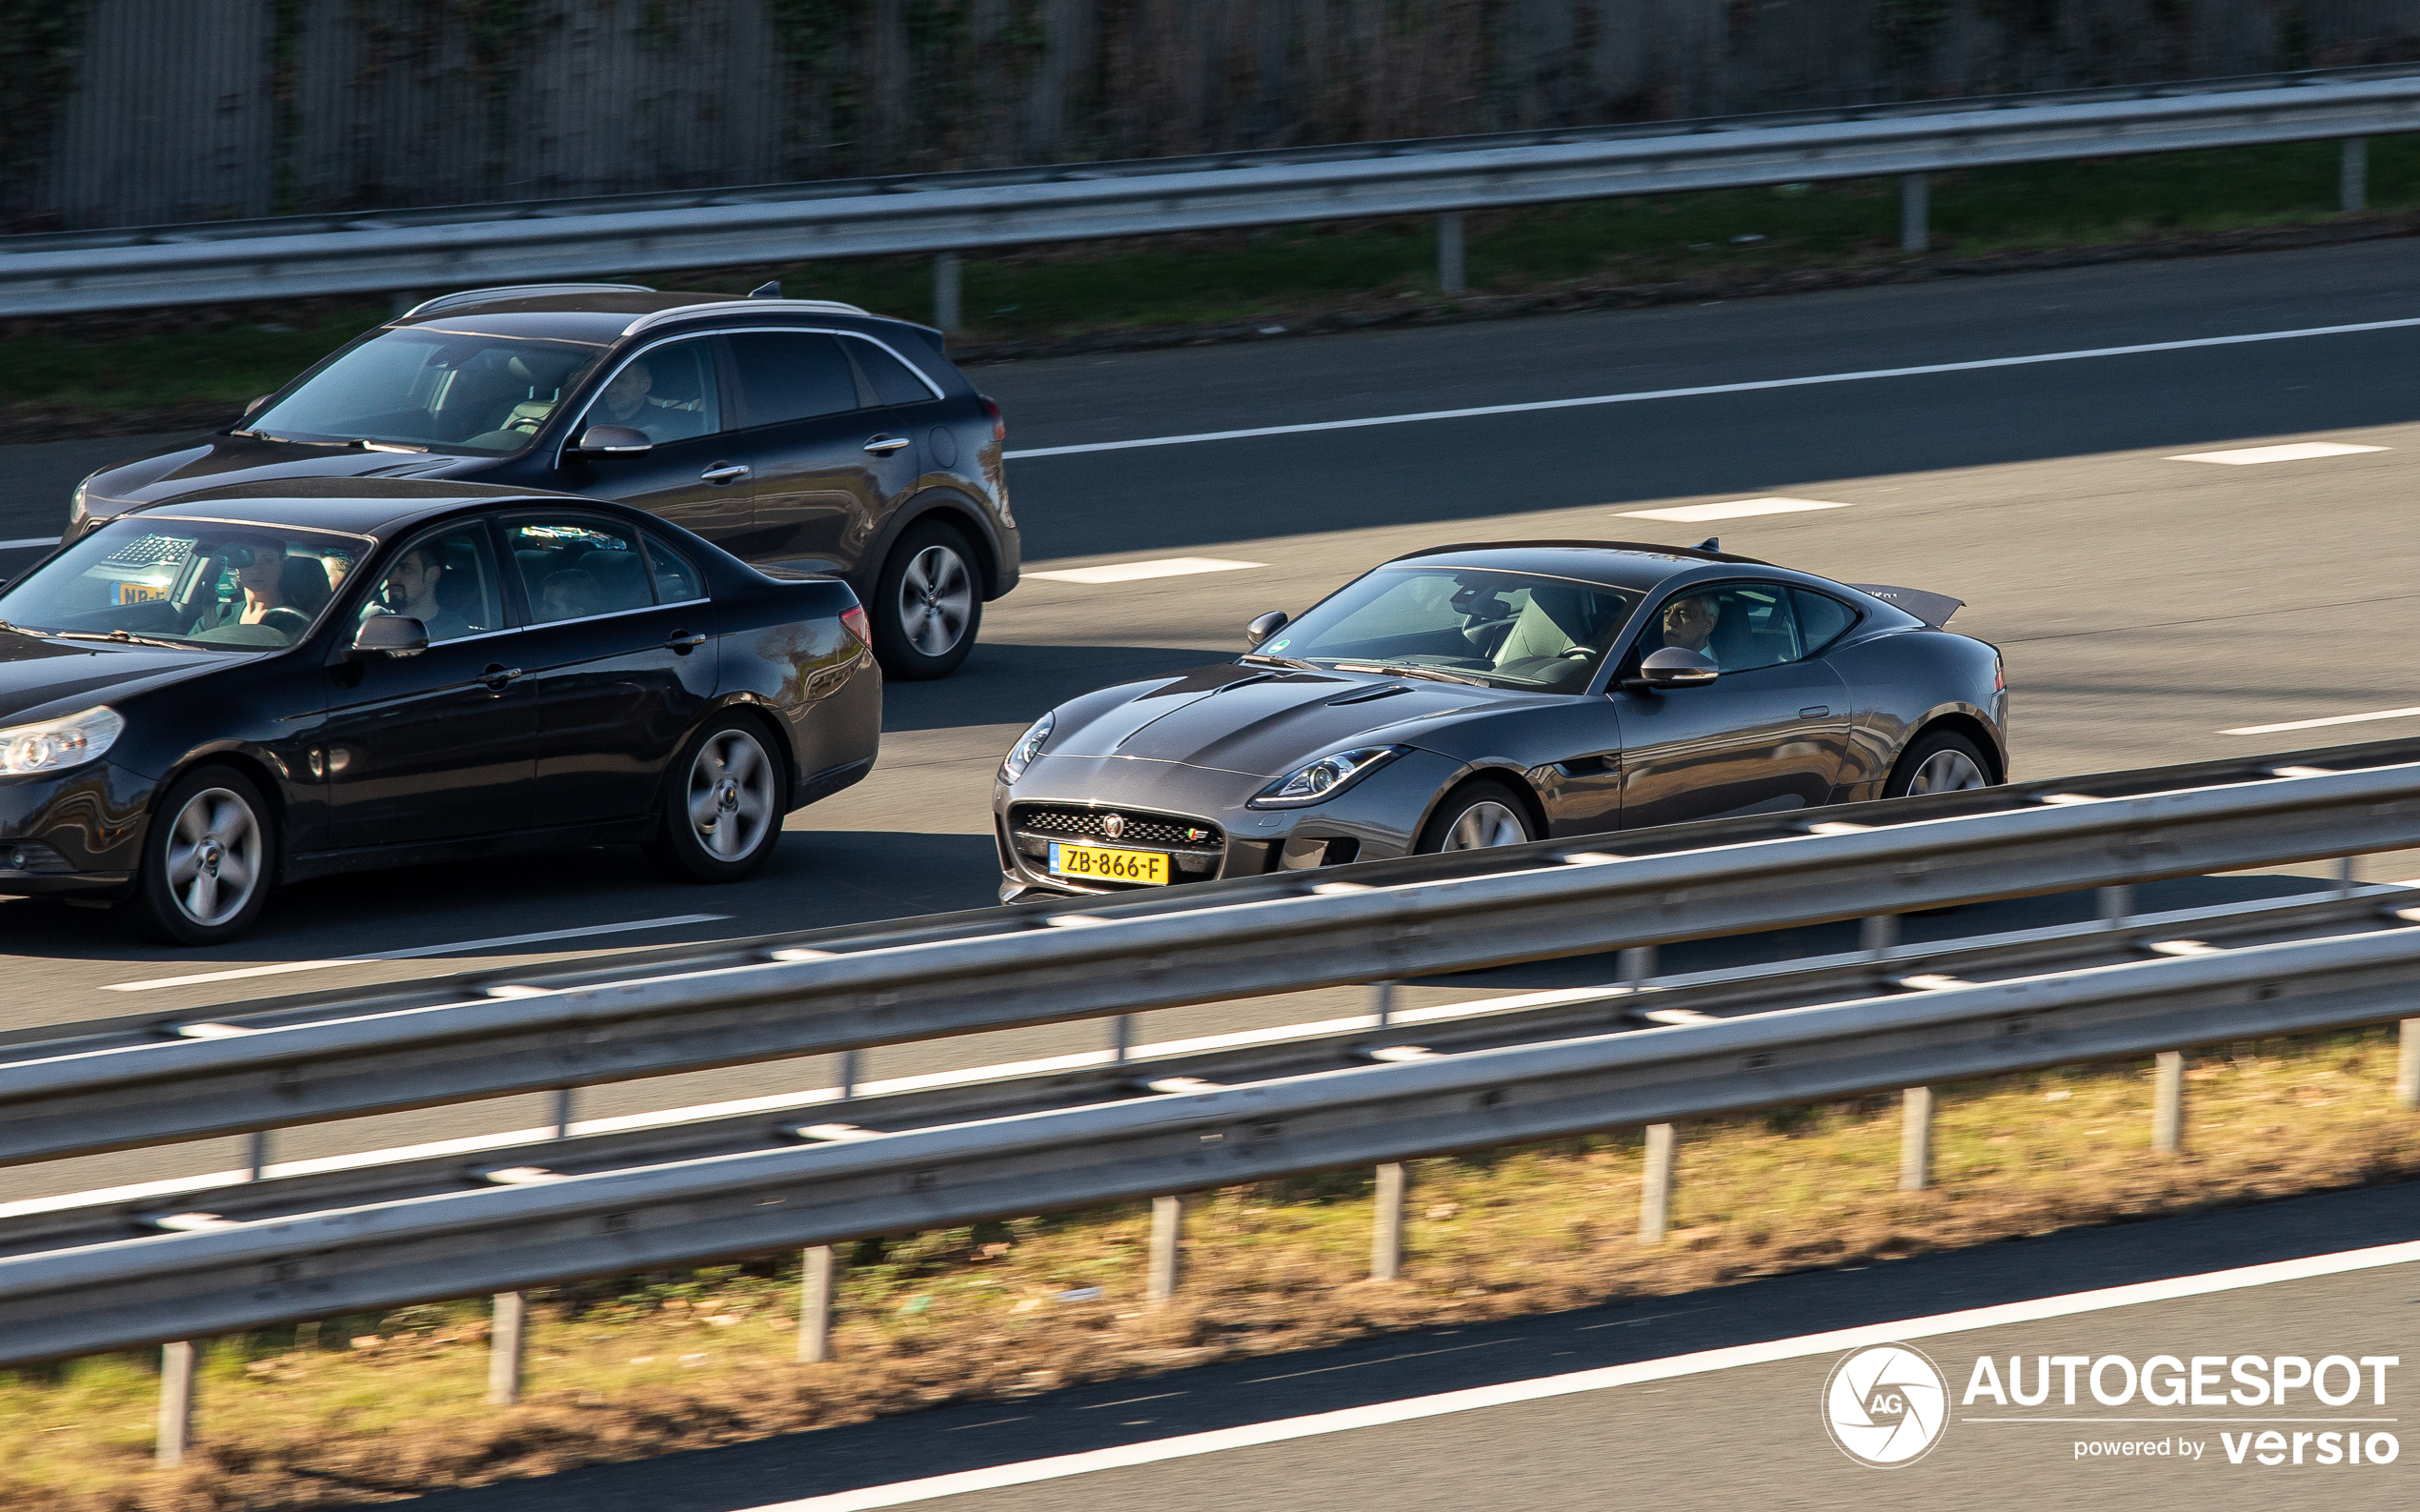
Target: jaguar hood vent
(1365, 695)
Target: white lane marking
(1736, 510)
(1643, 396)
(2317, 724)
(2293, 452)
(1411, 1409)
(1136, 572)
(29, 543)
(281, 968)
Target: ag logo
(1886, 1406)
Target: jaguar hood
(1260, 722)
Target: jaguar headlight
(56, 744)
(1028, 746)
(1326, 777)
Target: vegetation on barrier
(362, 1409)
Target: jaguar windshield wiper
(1430, 673)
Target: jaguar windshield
(185, 582)
(1511, 630)
(448, 390)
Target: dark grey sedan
(1492, 693)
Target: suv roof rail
(757, 306)
(467, 297)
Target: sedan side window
(445, 580)
(574, 567)
(676, 580)
(785, 376)
(668, 393)
(1742, 626)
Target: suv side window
(892, 381)
(1742, 626)
(786, 376)
(669, 393)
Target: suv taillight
(992, 412)
(854, 617)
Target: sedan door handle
(885, 444)
(497, 676)
(723, 473)
(1815, 711)
(685, 641)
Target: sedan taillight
(854, 617)
(992, 413)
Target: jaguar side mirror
(613, 440)
(1673, 667)
(1267, 625)
(389, 636)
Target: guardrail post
(1655, 1186)
(1167, 1237)
(1878, 936)
(400, 302)
(1915, 211)
(256, 1155)
(945, 291)
(814, 1307)
(2352, 175)
(2116, 904)
(2407, 1065)
(1121, 1037)
(507, 1349)
(1915, 1140)
(846, 1069)
(1637, 964)
(176, 1404)
(2168, 1104)
(1386, 1234)
(1382, 1002)
(564, 1099)
(1449, 252)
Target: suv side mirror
(1673, 667)
(389, 636)
(1266, 626)
(613, 440)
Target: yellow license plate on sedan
(1094, 863)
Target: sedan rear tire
(928, 605)
(209, 859)
(722, 808)
(1483, 815)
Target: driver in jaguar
(1690, 622)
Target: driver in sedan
(259, 565)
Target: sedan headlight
(1326, 777)
(57, 744)
(1028, 746)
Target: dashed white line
(1138, 571)
(2291, 451)
(281, 968)
(1283, 1430)
(1703, 390)
(1736, 510)
(2317, 724)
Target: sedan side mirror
(1267, 625)
(613, 440)
(257, 401)
(389, 636)
(1673, 667)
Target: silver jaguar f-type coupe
(1492, 694)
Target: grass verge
(367, 1409)
(118, 373)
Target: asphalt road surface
(2147, 605)
(1752, 1435)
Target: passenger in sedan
(411, 588)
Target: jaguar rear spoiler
(1934, 609)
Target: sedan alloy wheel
(213, 857)
(733, 796)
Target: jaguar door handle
(685, 641)
(1815, 711)
(496, 677)
(723, 473)
(885, 444)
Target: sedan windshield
(185, 582)
(421, 386)
(1510, 630)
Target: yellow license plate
(139, 594)
(1095, 863)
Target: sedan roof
(1635, 564)
(365, 506)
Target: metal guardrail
(216, 1280)
(947, 213)
(1389, 919)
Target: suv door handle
(685, 641)
(497, 676)
(723, 473)
(885, 444)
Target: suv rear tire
(928, 604)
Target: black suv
(794, 434)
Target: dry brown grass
(696, 1360)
